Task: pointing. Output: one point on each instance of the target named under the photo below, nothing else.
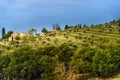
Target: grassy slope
(85, 34)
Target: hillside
(75, 53)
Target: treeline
(58, 28)
(109, 24)
(6, 35)
(115, 22)
(53, 62)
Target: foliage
(26, 63)
(82, 60)
(56, 27)
(44, 30)
(17, 38)
(7, 35)
(65, 55)
(76, 49)
(66, 27)
(32, 31)
(106, 62)
(3, 32)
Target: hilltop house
(52, 31)
(14, 35)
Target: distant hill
(79, 52)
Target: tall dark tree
(44, 30)
(85, 26)
(79, 25)
(66, 27)
(3, 32)
(58, 28)
(54, 27)
(7, 35)
(57, 25)
(91, 25)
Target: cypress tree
(66, 27)
(3, 32)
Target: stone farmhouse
(19, 34)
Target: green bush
(106, 62)
(27, 64)
(82, 60)
(64, 55)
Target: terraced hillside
(75, 53)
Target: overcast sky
(21, 15)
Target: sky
(22, 15)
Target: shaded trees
(65, 55)
(7, 35)
(32, 31)
(26, 63)
(56, 27)
(106, 62)
(4, 62)
(82, 60)
(44, 30)
(66, 27)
